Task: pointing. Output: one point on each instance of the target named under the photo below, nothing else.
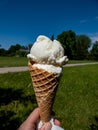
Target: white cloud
(94, 37)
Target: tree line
(16, 50)
(76, 47)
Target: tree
(82, 45)
(94, 51)
(13, 49)
(76, 47)
(29, 47)
(68, 41)
(2, 52)
(52, 37)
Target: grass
(76, 103)
(17, 99)
(80, 61)
(77, 98)
(13, 61)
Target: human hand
(31, 122)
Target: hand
(31, 122)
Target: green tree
(82, 45)
(52, 37)
(94, 51)
(13, 49)
(28, 47)
(68, 41)
(3, 52)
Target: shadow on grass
(8, 120)
(9, 95)
(94, 125)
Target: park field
(13, 61)
(23, 61)
(76, 102)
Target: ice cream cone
(45, 86)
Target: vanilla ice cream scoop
(46, 51)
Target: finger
(46, 126)
(34, 116)
(56, 122)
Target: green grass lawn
(80, 61)
(13, 61)
(76, 102)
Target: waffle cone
(45, 86)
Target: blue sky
(21, 21)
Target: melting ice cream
(48, 54)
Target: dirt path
(12, 69)
(25, 68)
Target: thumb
(34, 116)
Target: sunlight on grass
(13, 61)
(76, 102)
(77, 97)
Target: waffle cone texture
(45, 85)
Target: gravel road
(25, 68)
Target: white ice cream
(49, 68)
(47, 52)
